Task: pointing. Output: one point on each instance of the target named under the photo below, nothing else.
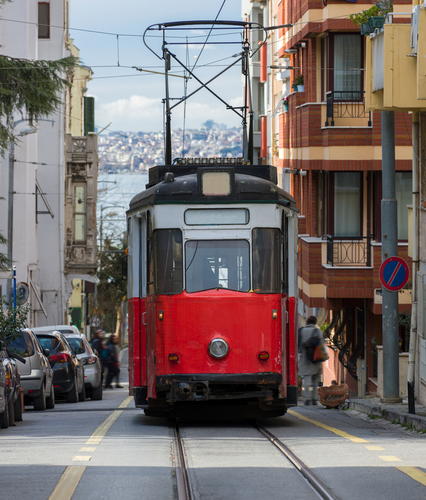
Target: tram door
(140, 290)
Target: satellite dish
(22, 293)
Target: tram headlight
(218, 348)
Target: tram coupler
(189, 391)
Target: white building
(46, 216)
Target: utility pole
(389, 249)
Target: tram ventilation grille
(210, 161)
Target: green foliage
(112, 289)
(404, 318)
(299, 80)
(31, 88)
(377, 9)
(12, 320)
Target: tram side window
(266, 260)
(168, 261)
(217, 264)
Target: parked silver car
(64, 329)
(91, 363)
(36, 373)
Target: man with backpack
(310, 336)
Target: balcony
(346, 105)
(349, 251)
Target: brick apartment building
(327, 148)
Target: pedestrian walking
(98, 346)
(112, 363)
(309, 337)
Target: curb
(392, 414)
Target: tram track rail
(184, 491)
(316, 484)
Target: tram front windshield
(217, 264)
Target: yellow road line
(414, 473)
(340, 433)
(126, 402)
(81, 458)
(390, 458)
(64, 490)
(87, 448)
(100, 432)
(374, 448)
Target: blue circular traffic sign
(394, 273)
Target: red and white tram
(212, 290)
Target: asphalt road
(109, 450)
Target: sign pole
(389, 248)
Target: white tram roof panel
(183, 184)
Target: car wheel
(72, 395)
(18, 408)
(4, 418)
(40, 401)
(82, 395)
(50, 401)
(96, 394)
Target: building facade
(54, 173)
(315, 126)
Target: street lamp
(112, 214)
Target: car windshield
(52, 343)
(22, 345)
(76, 343)
(217, 264)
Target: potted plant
(372, 18)
(285, 104)
(299, 83)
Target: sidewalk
(395, 413)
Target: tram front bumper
(203, 387)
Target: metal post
(10, 216)
(14, 289)
(389, 249)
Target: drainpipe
(415, 248)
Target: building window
(80, 213)
(403, 192)
(347, 204)
(345, 62)
(44, 20)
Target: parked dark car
(68, 372)
(13, 384)
(36, 373)
(91, 363)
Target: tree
(12, 320)
(112, 288)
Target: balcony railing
(349, 251)
(346, 104)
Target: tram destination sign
(394, 273)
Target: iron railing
(349, 251)
(346, 104)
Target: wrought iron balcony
(346, 104)
(349, 251)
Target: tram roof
(181, 184)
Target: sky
(132, 101)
